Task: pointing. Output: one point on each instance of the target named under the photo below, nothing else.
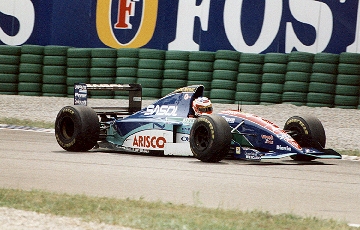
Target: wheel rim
(67, 127)
(201, 138)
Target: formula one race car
(171, 126)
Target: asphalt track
(325, 189)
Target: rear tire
(307, 131)
(77, 128)
(210, 138)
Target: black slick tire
(77, 128)
(210, 138)
(307, 131)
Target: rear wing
(135, 97)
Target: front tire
(210, 138)
(77, 128)
(307, 131)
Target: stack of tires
(103, 70)
(273, 78)
(175, 71)
(296, 86)
(9, 69)
(323, 80)
(150, 72)
(31, 70)
(249, 79)
(201, 69)
(54, 71)
(78, 68)
(348, 81)
(126, 69)
(223, 85)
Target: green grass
(26, 122)
(141, 214)
(350, 152)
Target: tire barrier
(103, 70)
(126, 69)
(78, 68)
(323, 80)
(31, 70)
(348, 81)
(224, 80)
(54, 71)
(201, 69)
(273, 78)
(176, 66)
(299, 78)
(249, 79)
(9, 69)
(150, 72)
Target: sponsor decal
(80, 94)
(188, 120)
(126, 10)
(67, 110)
(283, 148)
(184, 138)
(279, 23)
(252, 154)
(185, 129)
(238, 150)
(149, 142)
(252, 157)
(167, 110)
(246, 26)
(229, 119)
(24, 12)
(269, 139)
(80, 102)
(80, 87)
(317, 15)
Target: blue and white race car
(170, 126)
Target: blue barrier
(256, 26)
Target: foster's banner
(252, 26)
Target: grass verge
(26, 122)
(350, 152)
(141, 214)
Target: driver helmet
(202, 105)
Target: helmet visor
(205, 109)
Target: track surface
(326, 189)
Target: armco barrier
(317, 80)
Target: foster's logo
(126, 10)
